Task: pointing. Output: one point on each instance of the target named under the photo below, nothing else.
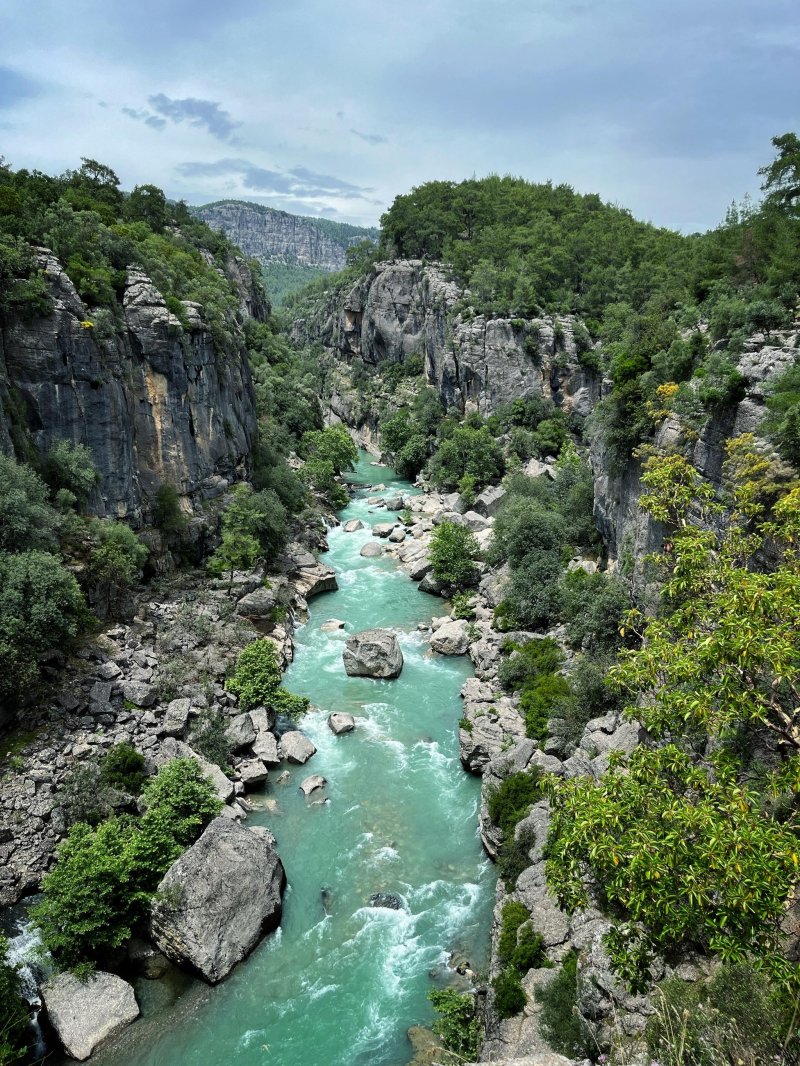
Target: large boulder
(296, 747)
(341, 722)
(373, 653)
(218, 899)
(371, 550)
(240, 732)
(258, 604)
(490, 501)
(84, 1013)
(452, 638)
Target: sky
(334, 107)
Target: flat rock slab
(218, 899)
(311, 784)
(341, 722)
(373, 653)
(84, 1013)
(296, 747)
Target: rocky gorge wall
(155, 401)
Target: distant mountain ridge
(277, 237)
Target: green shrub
(457, 1024)
(208, 737)
(513, 798)
(321, 476)
(514, 856)
(114, 565)
(562, 1025)
(257, 681)
(467, 451)
(14, 1020)
(528, 661)
(538, 700)
(510, 996)
(167, 513)
(69, 466)
(333, 445)
(122, 767)
(84, 796)
(462, 606)
(452, 552)
(27, 521)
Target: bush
(457, 1024)
(467, 451)
(321, 476)
(257, 681)
(69, 466)
(514, 856)
(562, 1025)
(123, 767)
(593, 606)
(84, 796)
(114, 565)
(453, 549)
(537, 702)
(332, 445)
(209, 738)
(27, 521)
(14, 1020)
(167, 513)
(510, 996)
(513, 798)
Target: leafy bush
(123, 767)
(321, 476)
(103, 878)
(513, 798)
(84, 796)
(514, 856)
(14, 1020)
(27, 521)
(332, 445)
(593, 606)
(510, 996)
(69, 466)
(167, 513)
(257, 681)
(114, 565)
(457, 1024)
(208, 737)
(462, 606)
(563, 1027)
(452, 551)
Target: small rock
(140, 693)
(353, 525)
(452, 638)
(332, 625)
(341, 722)
(176, 718)
(252, 773)
(383, 529)
(312, 783)
(398, 535)
(386, 899)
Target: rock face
(373, 653)
(406, 307)
(84, 1013)
(154, 403)
(277, 237)
(218, 899)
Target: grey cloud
(370, 138)
(154, 121)
(200, 113)
(296, 183)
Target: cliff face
(407, 308)
(272, 236)
(154, 402)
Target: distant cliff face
(407, 308)
(154, 402)
(272, 236)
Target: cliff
(407, 308)
(272, 236)
(154, 400)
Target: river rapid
(340, 982)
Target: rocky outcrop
(272, 236)
(407, 308)
(373, 653)
(85, 1013)
(154, 400)
(218, 899)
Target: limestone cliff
(272, 236)
(406, 308)
(154, 400)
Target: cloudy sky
(333, 107)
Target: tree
(147, 203)
(69, 466)
(167, 513)
(452, 552)
(115, 564)
(782, 175)
(27, 521)
(468, 450)
(41, 607)
(257, 681)
(333, 445)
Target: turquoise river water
(341, 988)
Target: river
(340, 982)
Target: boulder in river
(386, 899)
(353, 525)
(383, 529)
(218, 899)
(341, 722)
(84, 1013)
(371, 550)
(296, 747)
(373, 653)
(311, 784)
(452, 638)
(332, 625)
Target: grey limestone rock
(240, 732)
(218, 899)
(84, 1013)
(341, 722)
(312, 783)
(176, 718)
(296, 747)
(371, 550)
(451, 638)
(373, 653)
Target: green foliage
(209, 738)
(457, 1024)
(510, 998)
(466, 451)
(783, 418)
(257, 681)
(321, 476)
(738, 1016)
(782, 175)
(69, 466)
(538, 700)
(332, 445)
(260, 515)
(452, 552)
(103, 878)
(463, 606)
(41, 607)
(593, 606)
(84, 796)
(513, 798)
(562, 1025)
(514, 856)
(14, 1020)
(27, 521)
(235, 552)
(167, 513)
(114, 564)
(123, 768)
